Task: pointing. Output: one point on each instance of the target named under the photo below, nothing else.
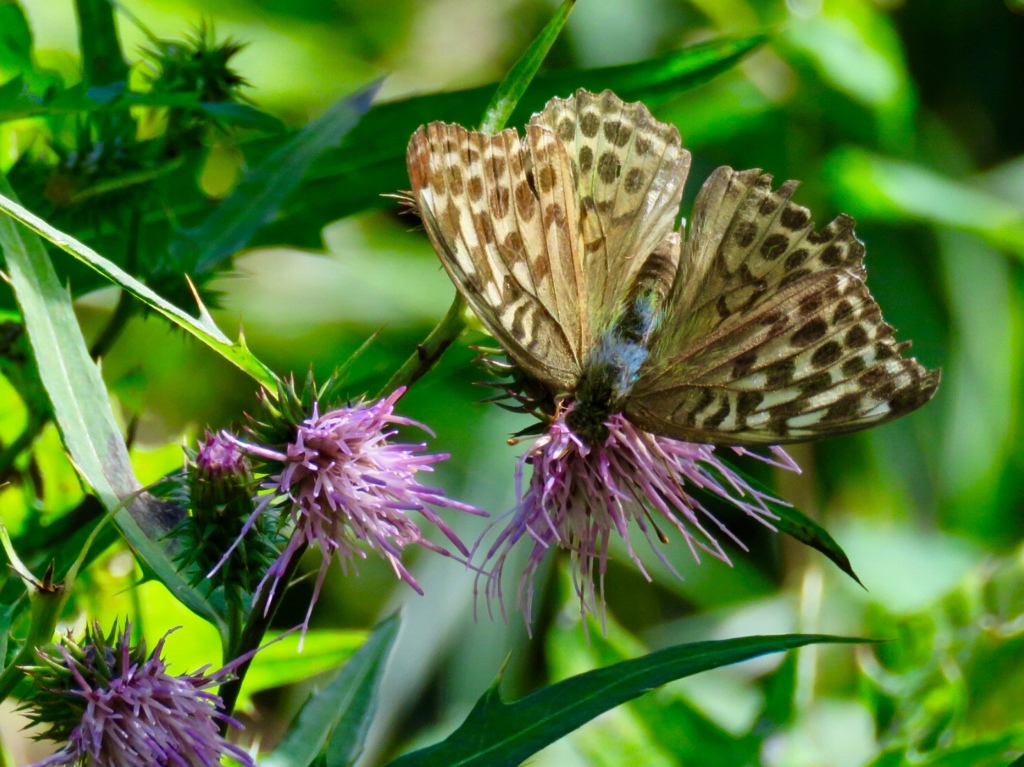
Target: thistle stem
(430, 350)
(260, 617)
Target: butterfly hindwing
(771, 334)
(499, 211)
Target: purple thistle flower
(347, 488)
(579, 495)
(130, 711)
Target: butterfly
(755, 328)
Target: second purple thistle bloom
(347, 488)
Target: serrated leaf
(81, 405)
(258, 197)
(663, 725)
(511, 89)
(498, 734)
(202, 328)
(338, 717)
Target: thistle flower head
(579, 496)
(347, 488)
(117, 707)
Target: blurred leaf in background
(907, 115)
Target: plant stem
(429, 352)
(260, 617)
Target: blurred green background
(907, 115)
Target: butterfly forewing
(771, 334)
(500, 211)
(629, 171)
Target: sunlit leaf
(874, 187)
(81, 405)
(281, 663)
(202, 328)
(511, 89)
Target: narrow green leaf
(511, 89)
(260, 194)
(801, 527)
(81, 98)
(498, 734)
(649, 729)
(102, 59)
(242, 116)
(202, 328)
(339, 716)
(81, 405)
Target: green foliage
(155, 164)
(505, 734)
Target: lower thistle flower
(117, 707)
(579, 495)
(347, 488)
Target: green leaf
(241, 116)
(339, 716)
(203, 328)
(81, 405)
(890, 190)
(511, 89)
(801, 527)
(652, 729)
(102, 59)
(258, 197)
(985, 752)
(81, 98)
(498, 734)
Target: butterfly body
(754, 329)
(613, 366)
